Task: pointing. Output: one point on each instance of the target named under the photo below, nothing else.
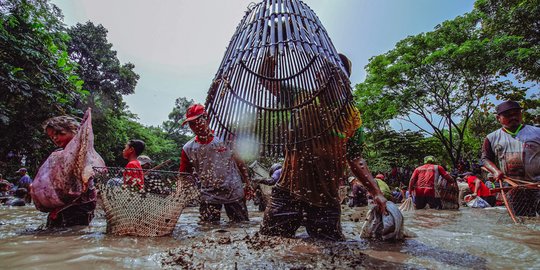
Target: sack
(407, 205)
(478, 203)
(383, 227)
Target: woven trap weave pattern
(151, 211)
(281, 81)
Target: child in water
(133, 174)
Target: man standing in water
(516, 149)
(307, 191)
(423, 183)
(25, 183)
(219, 170)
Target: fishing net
(280, 73)
(448, 192)
(522, 204)
(152, 210)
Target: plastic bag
(407, 205)
(478, 203)
(384, 227)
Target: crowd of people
(300, 196)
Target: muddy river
(464, 239)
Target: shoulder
(532, 129)
(491, 135)
(189, 144)
(134, 164)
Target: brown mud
(464, 239)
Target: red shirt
(483, 191)
(424, 179)
(134, 175)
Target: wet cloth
(74, 215)
(134, 175)
(285, 215)
(16, 202)
(518, 157)
(236, 211)
(420, 202)
(217, 171)
(384, 227)
(79, 212)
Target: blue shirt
(25, 181)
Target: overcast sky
(177, 45)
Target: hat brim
(191, 119)
(509, 109)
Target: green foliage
(121, 129)
(439, 77)
(515, 25)
(385, 149)
(103, 76)
(37, 80)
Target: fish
(67, 173)
(384, 227)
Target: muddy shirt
(517, 157)
(217, 171)
(314, 167)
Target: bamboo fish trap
(280, 72)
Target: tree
(173, 128)
(37, 79)
(385, 149)
(98, 65)
(515, 25)
(439, 77)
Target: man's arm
(476, 186)
(413, 180)
(185, 164)
(244, 174)
(445, 174)
(360, 169)
(487, 160)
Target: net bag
(524, 203)
(151, 209)
(448, 192)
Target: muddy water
(465, 239)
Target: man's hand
(249, 193)
(380, 201)
(498, 175)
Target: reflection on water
(469, 238)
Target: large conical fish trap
(152, 210)
(281, 81)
